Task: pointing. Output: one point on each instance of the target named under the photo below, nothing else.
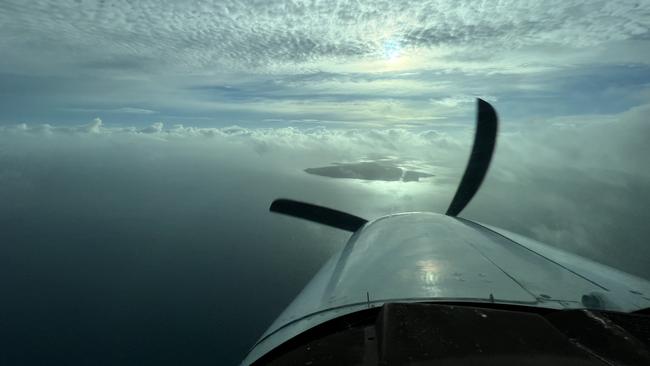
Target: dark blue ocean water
(120, 260)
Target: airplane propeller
(477, 167)
(319, 214)
(479, 160)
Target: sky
(142, 142)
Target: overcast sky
(141, 143)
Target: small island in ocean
(369, 170)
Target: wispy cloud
(123, 110)
(268, 34)
(115, 57)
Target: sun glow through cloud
(392, 50)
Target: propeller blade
(319, 214)
(479, 160)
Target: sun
(392, 50)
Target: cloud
(154, 128)
(580, 183)
(237, 35)
(123, 110)
(323, 60)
